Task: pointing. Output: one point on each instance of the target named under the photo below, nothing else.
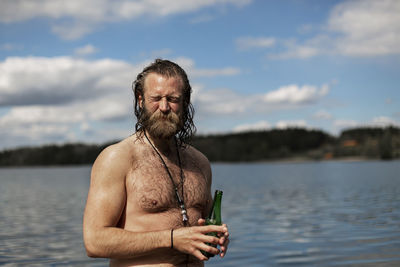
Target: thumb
(201, 222)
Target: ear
(140, 100)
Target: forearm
(112, 242)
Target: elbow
(93, 247)
(92, 250)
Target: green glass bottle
(214, 218)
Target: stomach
(162, 258)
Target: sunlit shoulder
(199, 158)
(115, 159)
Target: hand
(224, 238)
(191, 240)
(224, 242)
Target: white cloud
(264, 125)
(354, 28)
(380, 122)
(345, 123)
(383, 121)
(367, 27)
(59, 98)
(221, 101)
(258, 126)
(10, 47)
(81, 17)
(323, 115)
(255, 42)
(85, 50)
(228, 102)
(293, 94)
(189, 66)
(291, 124)
(40, 80)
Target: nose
(164, 105)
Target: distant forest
(275, 144)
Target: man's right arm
(105, 204)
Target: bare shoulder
(199, 158)
(116, 158)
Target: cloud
(379, 121)
(383, 121)
(221, 101)
(60, 80)
(255, 42)
(291, 124)
(358, 28)
(345, 123)
(74, 18)
(189, 66)
(227, 102)
(11, 47)
(293, 94)
(58, 99)
(323, 115)
(258, 126)
(85, 50)
(264, 125)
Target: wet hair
(168, 69)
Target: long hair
(168, 69)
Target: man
(149, 194)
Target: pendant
(184, 214)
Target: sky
(66, 67)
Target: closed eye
(155, 98)
(173, 99)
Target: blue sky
(66, 67)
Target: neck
(163, 145)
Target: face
(162, 105)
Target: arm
(105, 204)
(206, 167)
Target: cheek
(151, 107)
(176, 107)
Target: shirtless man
(144, 188)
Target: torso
(151, 204)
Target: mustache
(170, 117)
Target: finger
(213, 228)
(224, 248)
(201, 222)
(209, 249)
(199, 255)
(224, 245)
(223, 239)
(210, 239)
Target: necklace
(178, 197)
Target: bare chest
(151, 190)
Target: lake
(279, 214)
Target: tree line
(274, 144)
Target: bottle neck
(215, 214)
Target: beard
(162, 126)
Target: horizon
(206, 135)
(66, 68)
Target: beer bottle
(214, 218)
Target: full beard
(162, 126)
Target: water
(279, 214)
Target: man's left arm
(223, 238)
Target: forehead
(155, 82)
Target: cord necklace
(178, 197)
